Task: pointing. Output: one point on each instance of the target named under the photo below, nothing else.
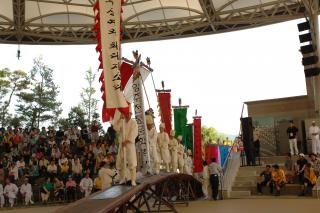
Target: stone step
(240, 194)
(248, 173)
(289, 189)
(244, 183)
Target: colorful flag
(180, 123)
(108, 33)
(189, 137)
(197, 145)
(164, 101)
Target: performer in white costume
(1, 196)
(163, 142)
(173, 147)
(180, 154)
(314, 135)
(205, 180)
(86, 184)
(10, 191)
(188, 163)
(26, 192)
(152, 136)
(105, 174)
(127, 149)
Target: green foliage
(39, 103)
(11, 83)
(88, 102)
(211, 136)
(76, 117)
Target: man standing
(173, 147)
(163, 142)
(26, 192)
(292, 134)
(152, 136)
(314, 135)
(215, 170)
(128, 131)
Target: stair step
(240, 194)
(289, 189)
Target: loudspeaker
(312, 72)
(310, 60)
(307, 49)
(247, 137)
(305, 37)
(304, 26)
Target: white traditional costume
(26, 192)
(105, 175)
(86, 185)
(128, 132)
(188, 163)
(314, 135)
(152, 138)
(173, 147)
(180, 154)
(206, 181)
(163, 143)
(11, 190)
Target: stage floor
(254, 205)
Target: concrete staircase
(245, 182)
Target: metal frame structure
(207, 19)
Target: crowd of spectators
(304, 171)
(58, 164)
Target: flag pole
(124, 150)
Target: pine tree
(10, 84)
(88, 101)
(76, 117)
(39, 104)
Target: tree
(10, 84)
(76, 116)
(88, 102)
(39, 104)
(210, 135)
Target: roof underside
(70, 21)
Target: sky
(214, 74)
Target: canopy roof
(70, 21)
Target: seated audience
(10, 191)
(45, 191)
(315, 163)
(289, 168)
(86, 184)
(26, 192)
(310, 179)
(264, 179)
(58, 189)
(71, 187)
(278, 178)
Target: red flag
(197, 145)
(164, 99)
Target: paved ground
(257, 205)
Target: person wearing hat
(292, 131)
(188, 163)
(173, 148)
(163, 143)
(86, 184)
(26, 192)
(152, 136)
(314, 135)
(301, 164)
(106, 175)
(128, 131)
(180, 154)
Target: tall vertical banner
(180, 122)
(189, 137)
(108, 33)
(197, 145)
(164, 101)
(143, 145)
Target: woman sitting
(45, 190)
(58, 189)
(310, 179)
(71, 187)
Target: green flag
(180, 123)
(189, 137)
